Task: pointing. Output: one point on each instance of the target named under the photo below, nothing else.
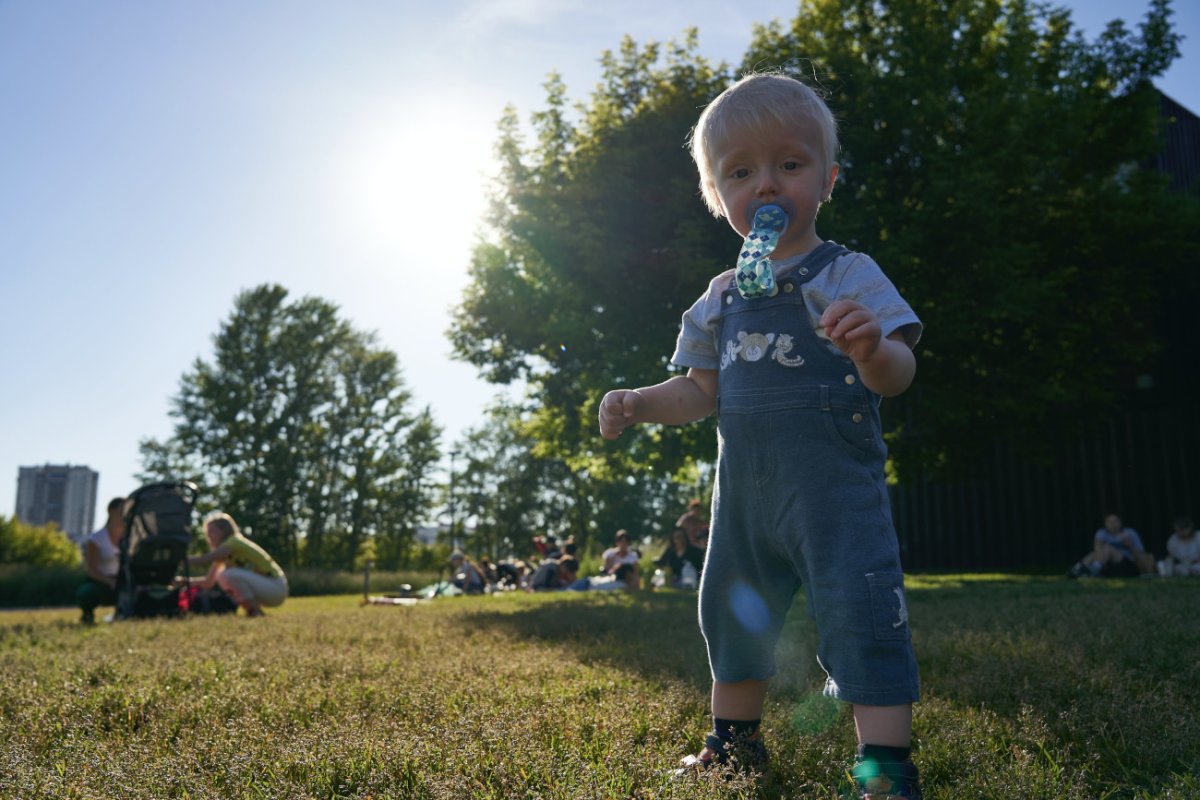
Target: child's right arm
(684, 398)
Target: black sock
(883, 753)
(730, 729)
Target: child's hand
(617, 411)
(854, 328)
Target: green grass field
(1033, 688)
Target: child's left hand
(854, 328)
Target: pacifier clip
(754, 275)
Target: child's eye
(740, 172)
(791, 165)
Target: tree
(599, 247)
(505, 489)
(36, 545)
(988, 163)
(512, 490)
(300, 426)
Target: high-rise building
(62, 494)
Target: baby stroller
(158, 525)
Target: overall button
(850, 379)
(803, 270)
(787, 288)
(856, 417)
(729, 300)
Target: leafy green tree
(600, 245)
(300, 426)
(511, 490)
(505, 490)
(989, 158)
(36, 545)
(989, 163)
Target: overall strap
(820, 258)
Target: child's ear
(718, 209)
(833, 173)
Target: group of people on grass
(557, 568)
(237, 567)
(1118, 552)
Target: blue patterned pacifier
(754, 275)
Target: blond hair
(223, 523)
(757, 101)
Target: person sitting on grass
(620, 553)
(547, 546)
(678, 557)
(693, 523)
(554, 574)
(240, 567)
(512, 573)
(1183, 550)
(466, 575)
(1115, 553)
(102, 560)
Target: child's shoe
(744, 754)
(881, 780)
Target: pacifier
(754, 274)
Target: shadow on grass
(660, 639)
(1085, 675)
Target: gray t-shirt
(852, 276)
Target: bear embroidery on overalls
(754, 346)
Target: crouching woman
(240, 567)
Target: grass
(1033, 688)
(26, 586)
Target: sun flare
(410, 173)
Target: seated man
(1116, 553)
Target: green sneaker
(880, 780)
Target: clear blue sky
(157, 158)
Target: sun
(409, 176)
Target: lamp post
(453, 520)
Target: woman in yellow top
(239, 566)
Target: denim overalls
(800, 500)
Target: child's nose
(767, 185)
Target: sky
(156, 159)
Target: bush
(39, 546)
(314, 582)
(27, 586)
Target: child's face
(781, 165)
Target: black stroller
(158, 525)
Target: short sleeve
(696, 345)
(864, 282)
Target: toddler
(794, 363)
